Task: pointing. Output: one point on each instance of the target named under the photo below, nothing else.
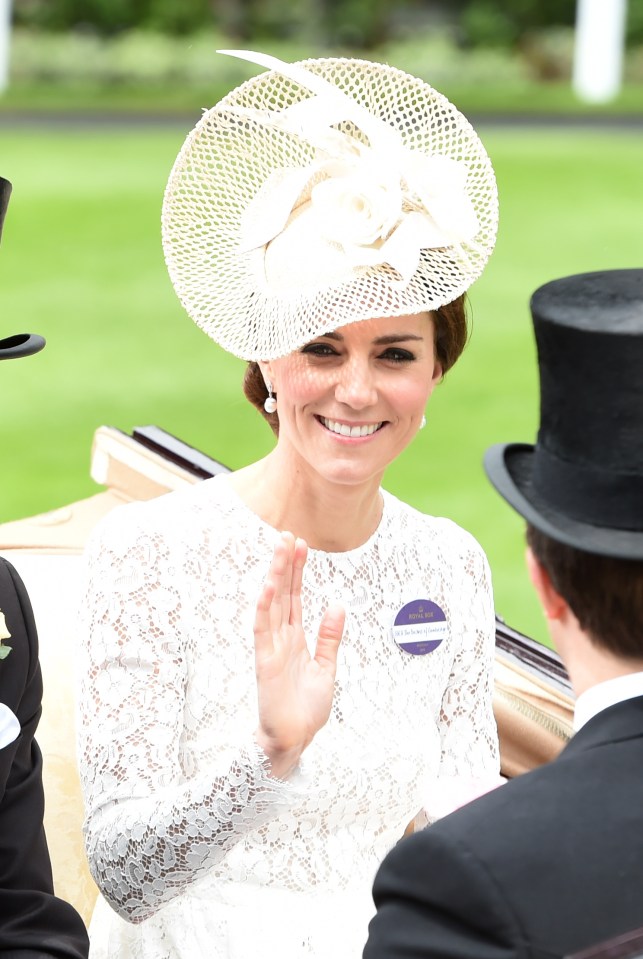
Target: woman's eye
(318, 349)
(397, 355)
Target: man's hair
(604, 593)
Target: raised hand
(294, 689)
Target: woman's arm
(469, 763)
(151, 829)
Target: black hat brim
(509, 467)
(22, 344)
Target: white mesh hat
(322, 193)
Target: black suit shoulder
(545, 865)
(20, 679)
(32, 918)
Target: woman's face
(351, 400)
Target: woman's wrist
(282, 761)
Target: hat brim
(5, 193)
(21, 344)
(238, 294)
(509, 467)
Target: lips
(345, 429)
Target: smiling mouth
(343, 429)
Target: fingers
(279, 603)
(275, 602)
(329, 637)
(286, 573)
(299, 561)
(288, 541)
(268, 614)
(263, 625)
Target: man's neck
(588, 663)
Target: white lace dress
(197, 851)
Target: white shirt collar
(597, 698)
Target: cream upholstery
(46, 551)
(534, 718)
(52, 582)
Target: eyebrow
(381, 340)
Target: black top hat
(22, 344)
(582, 483)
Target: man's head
(21, 344)
(580, 487)
(604, 593)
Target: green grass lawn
(81, 263)
(515, 98)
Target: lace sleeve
(470, 762)
(150, 827)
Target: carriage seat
(533, 704)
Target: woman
(322, 222)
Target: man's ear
(553, 604)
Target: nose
(356, 386)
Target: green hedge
(151, 71)
(144, 57)
(364, 24)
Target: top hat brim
(22, 344)
(509, 467)
(5, 193)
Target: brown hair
(604, 593)
(255, 391)
(451, 334)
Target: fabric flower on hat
(377, 217)
(357, 206)
(380, 204)
(333, 187)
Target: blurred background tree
(107, 17)
(360, 24)
(513, 40)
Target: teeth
(345, 430)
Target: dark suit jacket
(33, 922)
(546, 865)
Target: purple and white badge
(419, 627)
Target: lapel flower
(4, 634)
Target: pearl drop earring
(423, 422)
(270, 403)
